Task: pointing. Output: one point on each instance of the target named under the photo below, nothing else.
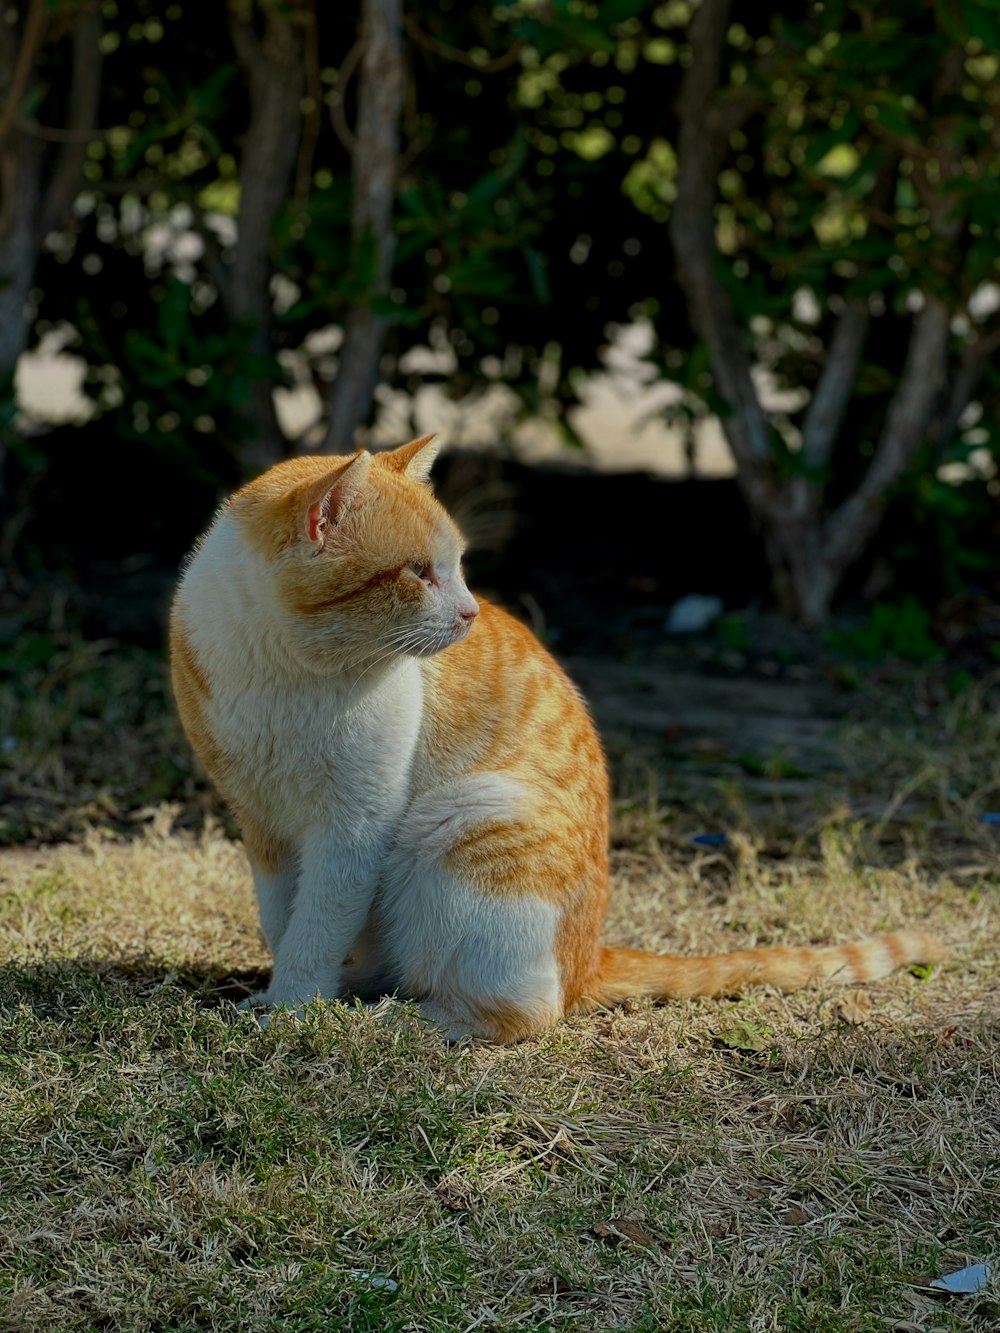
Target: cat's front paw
(257, 1005)
(266, 1002)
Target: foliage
(835, 231)
(538, 167)
(498, 172)
(899, 629)
(841, 186)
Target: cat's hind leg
(367, 976)
(470, 928)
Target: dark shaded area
(598, 558)
(599, 555)
(216, 985)
(593, 560)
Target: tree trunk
(21, 178)
(275, 67)
(804, 581)
(705, 123)
(34, 196)
(20, 183)
(373, 166)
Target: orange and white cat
(422, 794)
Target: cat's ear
(413, 460)
(327, 500)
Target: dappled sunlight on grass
(796, 1159)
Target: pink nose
(469, 611)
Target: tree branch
(31, 40)
(338, 114)
(218, 270)
(923, 380)
(21, 161)
(971, 365)
(829, 402)
(460, 57)
(84, 96)
(313, 119)
(851, 525)
(374, 164)
(704, 125)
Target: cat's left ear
(413, 460)
(327, 500)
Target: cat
(422, 793)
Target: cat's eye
(422, 570)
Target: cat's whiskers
(400, 641)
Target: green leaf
(984, 26)
(137, 147)
(948, 23)
(480, 275)
(883, 48)
(743, 1035)
(617, 11)
(409, 316)
(415, 201)
(487, 189)
(891, 116)
(173, 314)
(572, 28)
(536, 271)
(822, 143)
(208, 98)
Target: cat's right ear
(327, 500)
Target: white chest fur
(305, 755)
(301, 749)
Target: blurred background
(705, 298)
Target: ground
(809, 1161)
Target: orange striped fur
(423, 795)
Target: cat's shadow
(34, 983)
(58, 981)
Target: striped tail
(624, 973)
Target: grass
(773, 1163)
(87, 738)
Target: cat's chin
(437, 643)
(432, 649)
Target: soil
(660, 706)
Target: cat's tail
(624, 973)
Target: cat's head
(366, 564)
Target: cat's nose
(469, 610)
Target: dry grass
(165, 1164)
(770, 1164)
(88, 736)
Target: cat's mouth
(437, 641)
